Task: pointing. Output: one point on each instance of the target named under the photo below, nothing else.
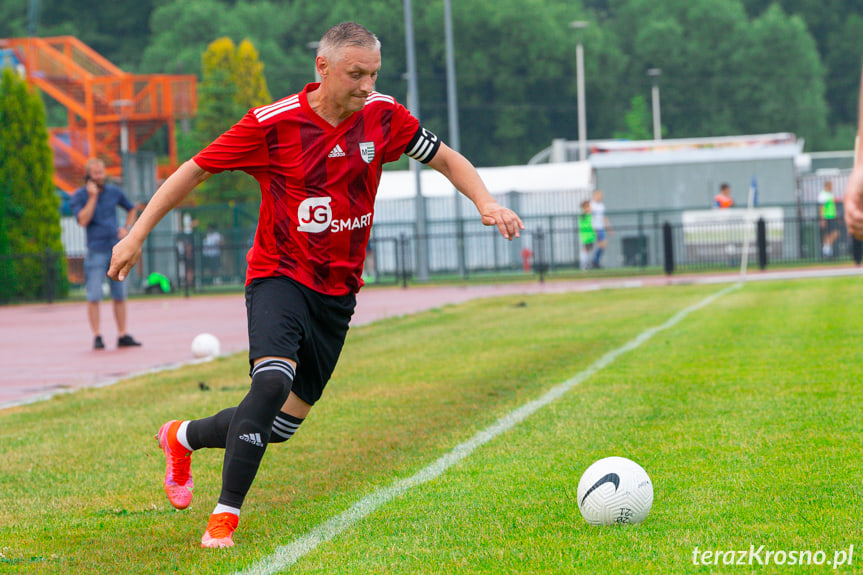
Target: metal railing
(544, 249)
(37, 276)
(641, 242)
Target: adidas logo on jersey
(253, 438)
(337, 152)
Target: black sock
(211, 431)
(284, 427)
(251, 424)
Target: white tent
(564, 176)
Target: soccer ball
(205, 345)
(615, 491)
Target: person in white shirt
(827, 219)
(601, 226)
(212, 250)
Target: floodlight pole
(33, 18)
(454, 143)
(414, 107)
(579, 72)
(654, 74)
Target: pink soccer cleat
(178, 466)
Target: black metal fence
(641, 242)
(545, 247)
(38, 276)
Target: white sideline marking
(287, 555)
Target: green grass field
(747, 414)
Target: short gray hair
(343, 36)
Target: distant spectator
(723, 199)
(95, 207)
(586, 235)
(369, 272)
(827, 219)
(601, 226)
(212, 253)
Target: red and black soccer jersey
(318, 183)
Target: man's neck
(330, 113)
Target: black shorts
(287, 319)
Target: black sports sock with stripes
(251, 424)
(213, 431)
(284, 427)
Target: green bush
(31, 252)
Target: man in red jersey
(317, 156)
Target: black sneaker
(127, 341)
(98, 343)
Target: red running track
(46, 349)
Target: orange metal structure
(109, 111)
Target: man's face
(351, 78)
(97, 174)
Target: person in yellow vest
(586, 235)
(723, 199)
(827, 219)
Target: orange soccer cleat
(220, 530)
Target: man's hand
(124, 256)
(854, 203)
(93, 188)
(506, 220)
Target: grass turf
(746, 416)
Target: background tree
(693, 42)
(115, 28)
(516, 61)
(515, 76)
(843, 64)
(181, 33)
(183, 29)
(835, 26)
(232, 83)
(781, 81)
(29, 207)
(248, 76)
(13, 18)
(638, 121)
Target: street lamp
(654, 74)
(414, 107)
(579, 71)
(452, 108)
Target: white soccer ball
(205, 345)
(615, 491)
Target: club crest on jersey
(367, 151)
(314, 215)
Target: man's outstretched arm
(127, 252)
(465, 178)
